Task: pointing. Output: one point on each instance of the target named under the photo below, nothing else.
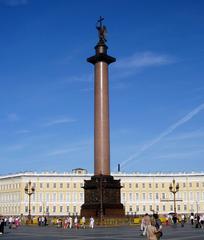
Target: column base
(102, 197)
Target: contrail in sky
(169, 130)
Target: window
(61, 185)
(185, 208)
(184, 185)
(179, 207)
(157, 208)
(68, 197)
(137, 196)
(74, 209)
(54, 209)
(143, 196)
(67, 185)
(150, 207)
(47, 209)
(74, 185)
(163, 196)
(136, 185)
(143, 185)
(47, 197)
(190, 184)
(48, 185)
(54, 197)
(197, 184)
(197, 196)
(191, 196)
(130, 209)
(150, 185)
(162, 185)
(156, 185)
(41, 185)
(130, 197)
(203, 184)
(157, 196)
(40, 209)
(150, 196)
(61, 209)
(130, 185)
(185, 196)
(40, 197)
(81, 197)
(123, 200)
(164, 208)
(74, 197)
(54, 185)
(61, 197)
(26, 209)
(33, 209)
(68, 209)
(144, 208)
(137, 208)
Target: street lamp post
(174, 188)
(29, 190)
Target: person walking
(192, 219)
(70, 222)
(147, 221)
(83, 221)
(1, 225)
(158, 225)
(91, 222)
(151, 230)
(76, 222)
(201, 220)
(182, 220)
(175, 219)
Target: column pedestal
(102, 196)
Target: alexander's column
(101, 104)
(102, 192)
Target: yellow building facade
(62, 194)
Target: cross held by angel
(102, 30)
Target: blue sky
(156, 85)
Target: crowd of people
(42, 221)
(151, 226)
(76, 223)
(12, 222)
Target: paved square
(109, 233)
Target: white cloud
(23, 131)
(142, 60)
(13, 3)
(85, 78)
(13, 117)
(65, 151)
(180, 155)
(16, 147)
(62, 120)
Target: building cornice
(118, 174)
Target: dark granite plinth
(102, 196)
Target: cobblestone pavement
(109, 233)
